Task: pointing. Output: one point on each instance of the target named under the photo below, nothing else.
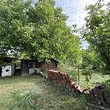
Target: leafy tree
(55, 38)
(37, 30)
(97, 31)
(15, 30)
(91, 59)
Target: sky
(74, 9)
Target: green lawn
(51, 97)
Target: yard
(48, 95)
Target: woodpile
(58, 77)
(99, 93)
(64, 80)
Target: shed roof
(41, 61)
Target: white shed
(8, 69)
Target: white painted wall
(31, 70)
(7, 70)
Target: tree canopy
(36, 30)
(91, 59)
(97, 31)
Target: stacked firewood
(100, 93)
(58, 77)
(64, 80)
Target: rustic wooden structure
(28, 66)
(51, 64)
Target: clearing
(51, 97)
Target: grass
(97, 78)
(24, 100)
(46, 95)
(10, 85)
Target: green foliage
(91, 59)
(97, 31)
(37, 30)
(15, 31)
(2, 63)
(108, 84)
(87, 73)
(65, 67)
